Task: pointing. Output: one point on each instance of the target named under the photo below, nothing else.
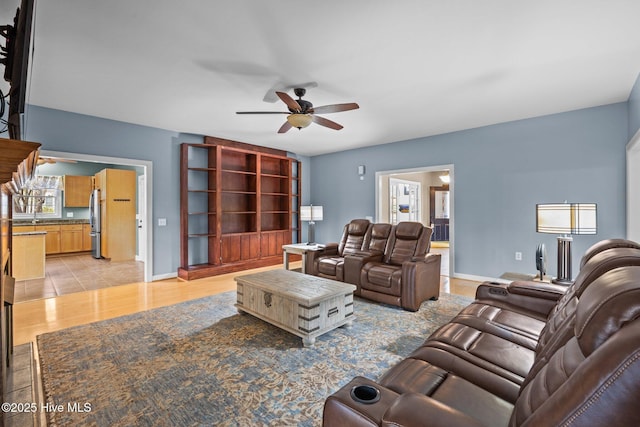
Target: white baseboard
(164, 276)
(479, 278)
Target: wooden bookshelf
(238, 206)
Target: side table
(299, 249)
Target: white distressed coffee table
(304, 305)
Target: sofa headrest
(380, 231)
(409, 230)
(604, 245)
(604, 261)
(608, 305)
(358, 227)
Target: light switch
(162, 222)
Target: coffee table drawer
(270, 305)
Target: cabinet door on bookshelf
(239, 247)
(271, 242)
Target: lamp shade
(566, 218)
(299, 121)
(311, 213)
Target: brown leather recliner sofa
(522, 354)
(388, 264)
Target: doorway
(432, 212)
(146, 244)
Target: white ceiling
(416, 67)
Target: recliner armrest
(415, 409)
(329, 249)
(537, 289)
(535, 297)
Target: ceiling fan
(302, 112)
(53, 160)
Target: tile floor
(76, 273)
(21, 388)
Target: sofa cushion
(382, 278)
(327, 265)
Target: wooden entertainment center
(239, 203)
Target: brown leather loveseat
(388, 264)
(522, 354)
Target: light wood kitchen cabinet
(23, 228)
(86, 237)
(77, 190)
(28, 256)
(71, 236)
(118, 213)
(52, 238)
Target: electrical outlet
(518, 256)
(162, 222)
(69, 214)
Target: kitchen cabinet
(117, 213)
(71, 236)
(77, 190)
(61, 238)
(86, 237)
(28, 255)
(51, 239)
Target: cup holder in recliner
(365, 394)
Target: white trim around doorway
(438, 168)
(147, 167)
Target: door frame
(633, 188)
(147, 168)
(438, 168)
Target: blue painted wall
(634, 108)
(75, 133)
(501, 172)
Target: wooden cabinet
(238, 206)
(61, 238)
(52, 238)
(71, 238)
(118, 213)
(77, 190)
(86, 237)
(28, 256)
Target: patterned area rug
(202, 363)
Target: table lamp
(565, 219)
(312, 214)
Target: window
(42, 198)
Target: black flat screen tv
(16, 60)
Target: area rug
(202, 363)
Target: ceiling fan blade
(335, 108)
(325, 122)
(291, 103)
(263, 112)
(285, 127)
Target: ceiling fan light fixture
(299, 120)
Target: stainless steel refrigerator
(94, 222)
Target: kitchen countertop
(50, 221)
(30, 233)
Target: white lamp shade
(566, 218)
(311, 213)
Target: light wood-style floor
(32, 318)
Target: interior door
(439, 212)
(140, 216)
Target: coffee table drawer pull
(332, 311)
(268, 299)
